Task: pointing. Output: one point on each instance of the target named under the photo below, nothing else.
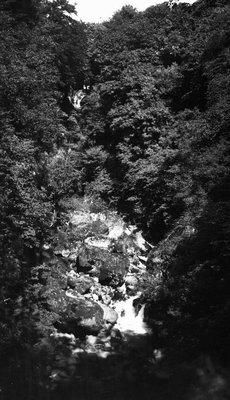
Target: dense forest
(149, 140)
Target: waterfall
(128, 320)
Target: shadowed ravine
(102, 343)
(96, 337)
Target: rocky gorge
(99, 333)
(93, 274)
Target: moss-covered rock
(75, 314)
(81, 317)
(80, 283)
(109, 267)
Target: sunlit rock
(116, 231)
(102, 243)
(110, 315)
(131, 281)
(140, 241)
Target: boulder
(113, 270)
(82, 317)
(80, 283)
(84, 263)
(110, 315)
(109, 267)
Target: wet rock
(110, 315)
(131, 282)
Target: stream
(129, 320)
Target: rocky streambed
(93, 288)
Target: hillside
(114, 186)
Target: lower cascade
(128, 320)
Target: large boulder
(113, 270)
(73, 313)
(81, 317)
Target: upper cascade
(76, 98)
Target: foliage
(160, 110)
(151, 139)
(36, 67)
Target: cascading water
(128, 320)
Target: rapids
(128, 320)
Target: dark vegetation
(151, 140)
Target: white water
(128, 320)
